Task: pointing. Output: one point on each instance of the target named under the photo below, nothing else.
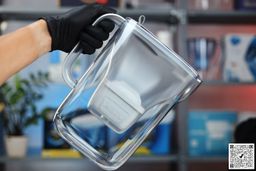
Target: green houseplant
(19, 96)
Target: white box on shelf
(239, 58)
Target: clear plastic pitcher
(128, 89)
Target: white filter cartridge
(117, 104)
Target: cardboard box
(209, 132)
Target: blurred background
(217, 37)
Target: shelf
(141, 159)
(158, 15)
(166, 15)
(232, 17)
(153, 159)
(223, 83)
(207, 159)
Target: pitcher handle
(76, 51)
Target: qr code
(241, 156)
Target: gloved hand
(76, 25)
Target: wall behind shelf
(225, 97)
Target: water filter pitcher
(130, 86)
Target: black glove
(76, 25)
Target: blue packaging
(209, 132)
(239, 57)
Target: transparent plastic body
(129, 88)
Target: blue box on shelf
(209, 132)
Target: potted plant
(19, 96)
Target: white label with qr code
(241, 156)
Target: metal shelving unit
(146, 159)
(178, 17)
(182, 109)
(223, 83)
(215, 18)
(206, 159)
(203, 18)
(169, 16)
(230, 17)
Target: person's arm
(22, 47)
(62, 32)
